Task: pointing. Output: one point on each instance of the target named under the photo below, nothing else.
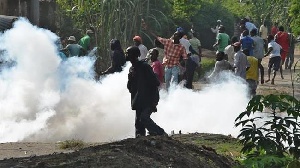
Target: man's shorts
(275, 63)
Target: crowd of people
(245, 53)
(175, 59)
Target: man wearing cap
(73, 48)
(143, 87)
(85, 41)
(137, 40)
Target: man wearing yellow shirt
(252, 73)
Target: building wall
(3, 7)
(18, 8)
(38, 12)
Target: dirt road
(283, 86)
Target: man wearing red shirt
(282, 38)
(173, 50)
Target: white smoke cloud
(211, 110)
(43, 98)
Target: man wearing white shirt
(246, 24)
(143, 49)
(229, 50)
(275, 58)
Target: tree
(294, 11)
(185, 9)
(260, 10)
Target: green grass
(223, 145)
(231, 148)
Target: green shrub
(71, 144)
(267, 140)
(264, 160)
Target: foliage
(235, 7)
(112, 19)
(275, 10)
(294, 11)
(71, 144)
(274, 134)
(185, 9)
(264, 160)
(260, 10)
(207, 17)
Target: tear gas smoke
(43, 98)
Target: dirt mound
(143, 152)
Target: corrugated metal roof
(6, 22)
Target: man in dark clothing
(143, 86)
(117, 57)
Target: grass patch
(230, 148)
(71, 144)
(223, 145)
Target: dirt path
(282, 86)
(28, 149)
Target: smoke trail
(43, 98)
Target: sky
(43, 98)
